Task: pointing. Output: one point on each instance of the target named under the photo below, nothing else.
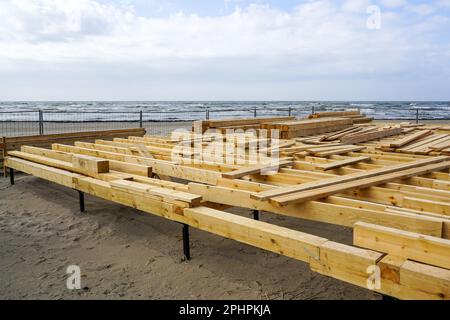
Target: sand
(127, 254)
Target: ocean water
(191, 110)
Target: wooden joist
(404, 244)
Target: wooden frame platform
(400, 210)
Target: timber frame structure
(398, 204)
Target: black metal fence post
(254, 112)
(313, 111)
(207, 114)
(417, 116)
(140, 119)
(41, 122)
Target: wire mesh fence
(38, 122)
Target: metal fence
(22, 123)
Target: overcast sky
(224, 50)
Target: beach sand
(127, 254)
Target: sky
(225, 50)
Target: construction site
(330, 206)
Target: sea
(192, 110)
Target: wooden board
(358, 138)
(341, 163)
(411, 138)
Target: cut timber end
(90, 164)
(345, 262)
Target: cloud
(317, 40)
(394, 3)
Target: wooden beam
(333, 213)
(90, 164)
(408, 245)
(345, 262)
(426, 282)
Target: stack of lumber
(397, 204)
(202, 126)
(308, 127)
(356, 116)
(14, 143)
(421, 142)
(359, 134)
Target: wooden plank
(319, 193)
(179, 198)
(408, 139)
(245, 171)
(346, 178)
(338, 151)
(422, 142)
(371, 136)
(341, 163)
(408, 245)
(441, 146)
(340, 133)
